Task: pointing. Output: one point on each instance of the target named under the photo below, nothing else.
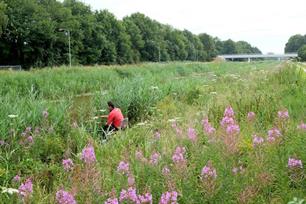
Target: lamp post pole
(67, 32)
(69, 48)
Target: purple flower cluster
(64, 197)
(123, 167)
(178, 155)
(192, 135)
(208, 171)
(273, 134)
(154, 158)
(178, 130)
(207, 127)
(283, 115)
(257, 140)
(16, 178)
(128, 195)
(169, 198)
(166, 171)
(67, 164)
(294, 163)
(27, 136)
(26, 188)
(233, 129)
(228, 122)
(112, 201)
(251, 116)
(88, 155)
(302, 126)
(146, 198)
(157, 135)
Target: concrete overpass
(249, 57)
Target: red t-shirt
(115, 117)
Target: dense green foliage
(154, 94)
(294, 43)
(34, 36)
(302, 53)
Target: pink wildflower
(208, 129)
(192, 135)
(129, 194)
(16, 178)
(123, 167)
(294, 163)
(232, 129)
(257, 140)
(26, 189)
(157, 135)
(63, 197)
(154, 158)
(178, 156)
(251, 116)
(302, 126)
(146, 198)
(229, 112)
(30, 139)
(166, 171)
(2, 142)
(67, 164)
(283, 115)
(273, 134)
(112, 201)
(139, 155)
(169, 198)
(226, 121)
(208, 171)
(131, 180)
(88, 154)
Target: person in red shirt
(114, 119)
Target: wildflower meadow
(198, 133)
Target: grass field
(46, 116)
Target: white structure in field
(249, 57)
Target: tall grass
(154, 93)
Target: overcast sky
(266, 24)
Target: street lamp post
(67, 32)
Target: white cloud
(266, 24)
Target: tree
(302, 53)
(294, 43)
(229, 47)
(208, 45)
(3, 17)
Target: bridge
(259, 56)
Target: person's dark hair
(110, 104)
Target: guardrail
(11, 67)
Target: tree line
(297, 43)
(34, 33)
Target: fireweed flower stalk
(145, 199)
(207, 127)
(26, 189)
(123, 167)
(302, 126)
(178, 156)
(64, 197)
(257, 141)
(169, 198)
(208, 179)
(154, 158)
(294, 163)
(192, 135)
(88, 155)
(283, 115)
(273, 134)
(178, 130)
(67, 164)
(251, 116)
(128, 195)
(112, 201)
